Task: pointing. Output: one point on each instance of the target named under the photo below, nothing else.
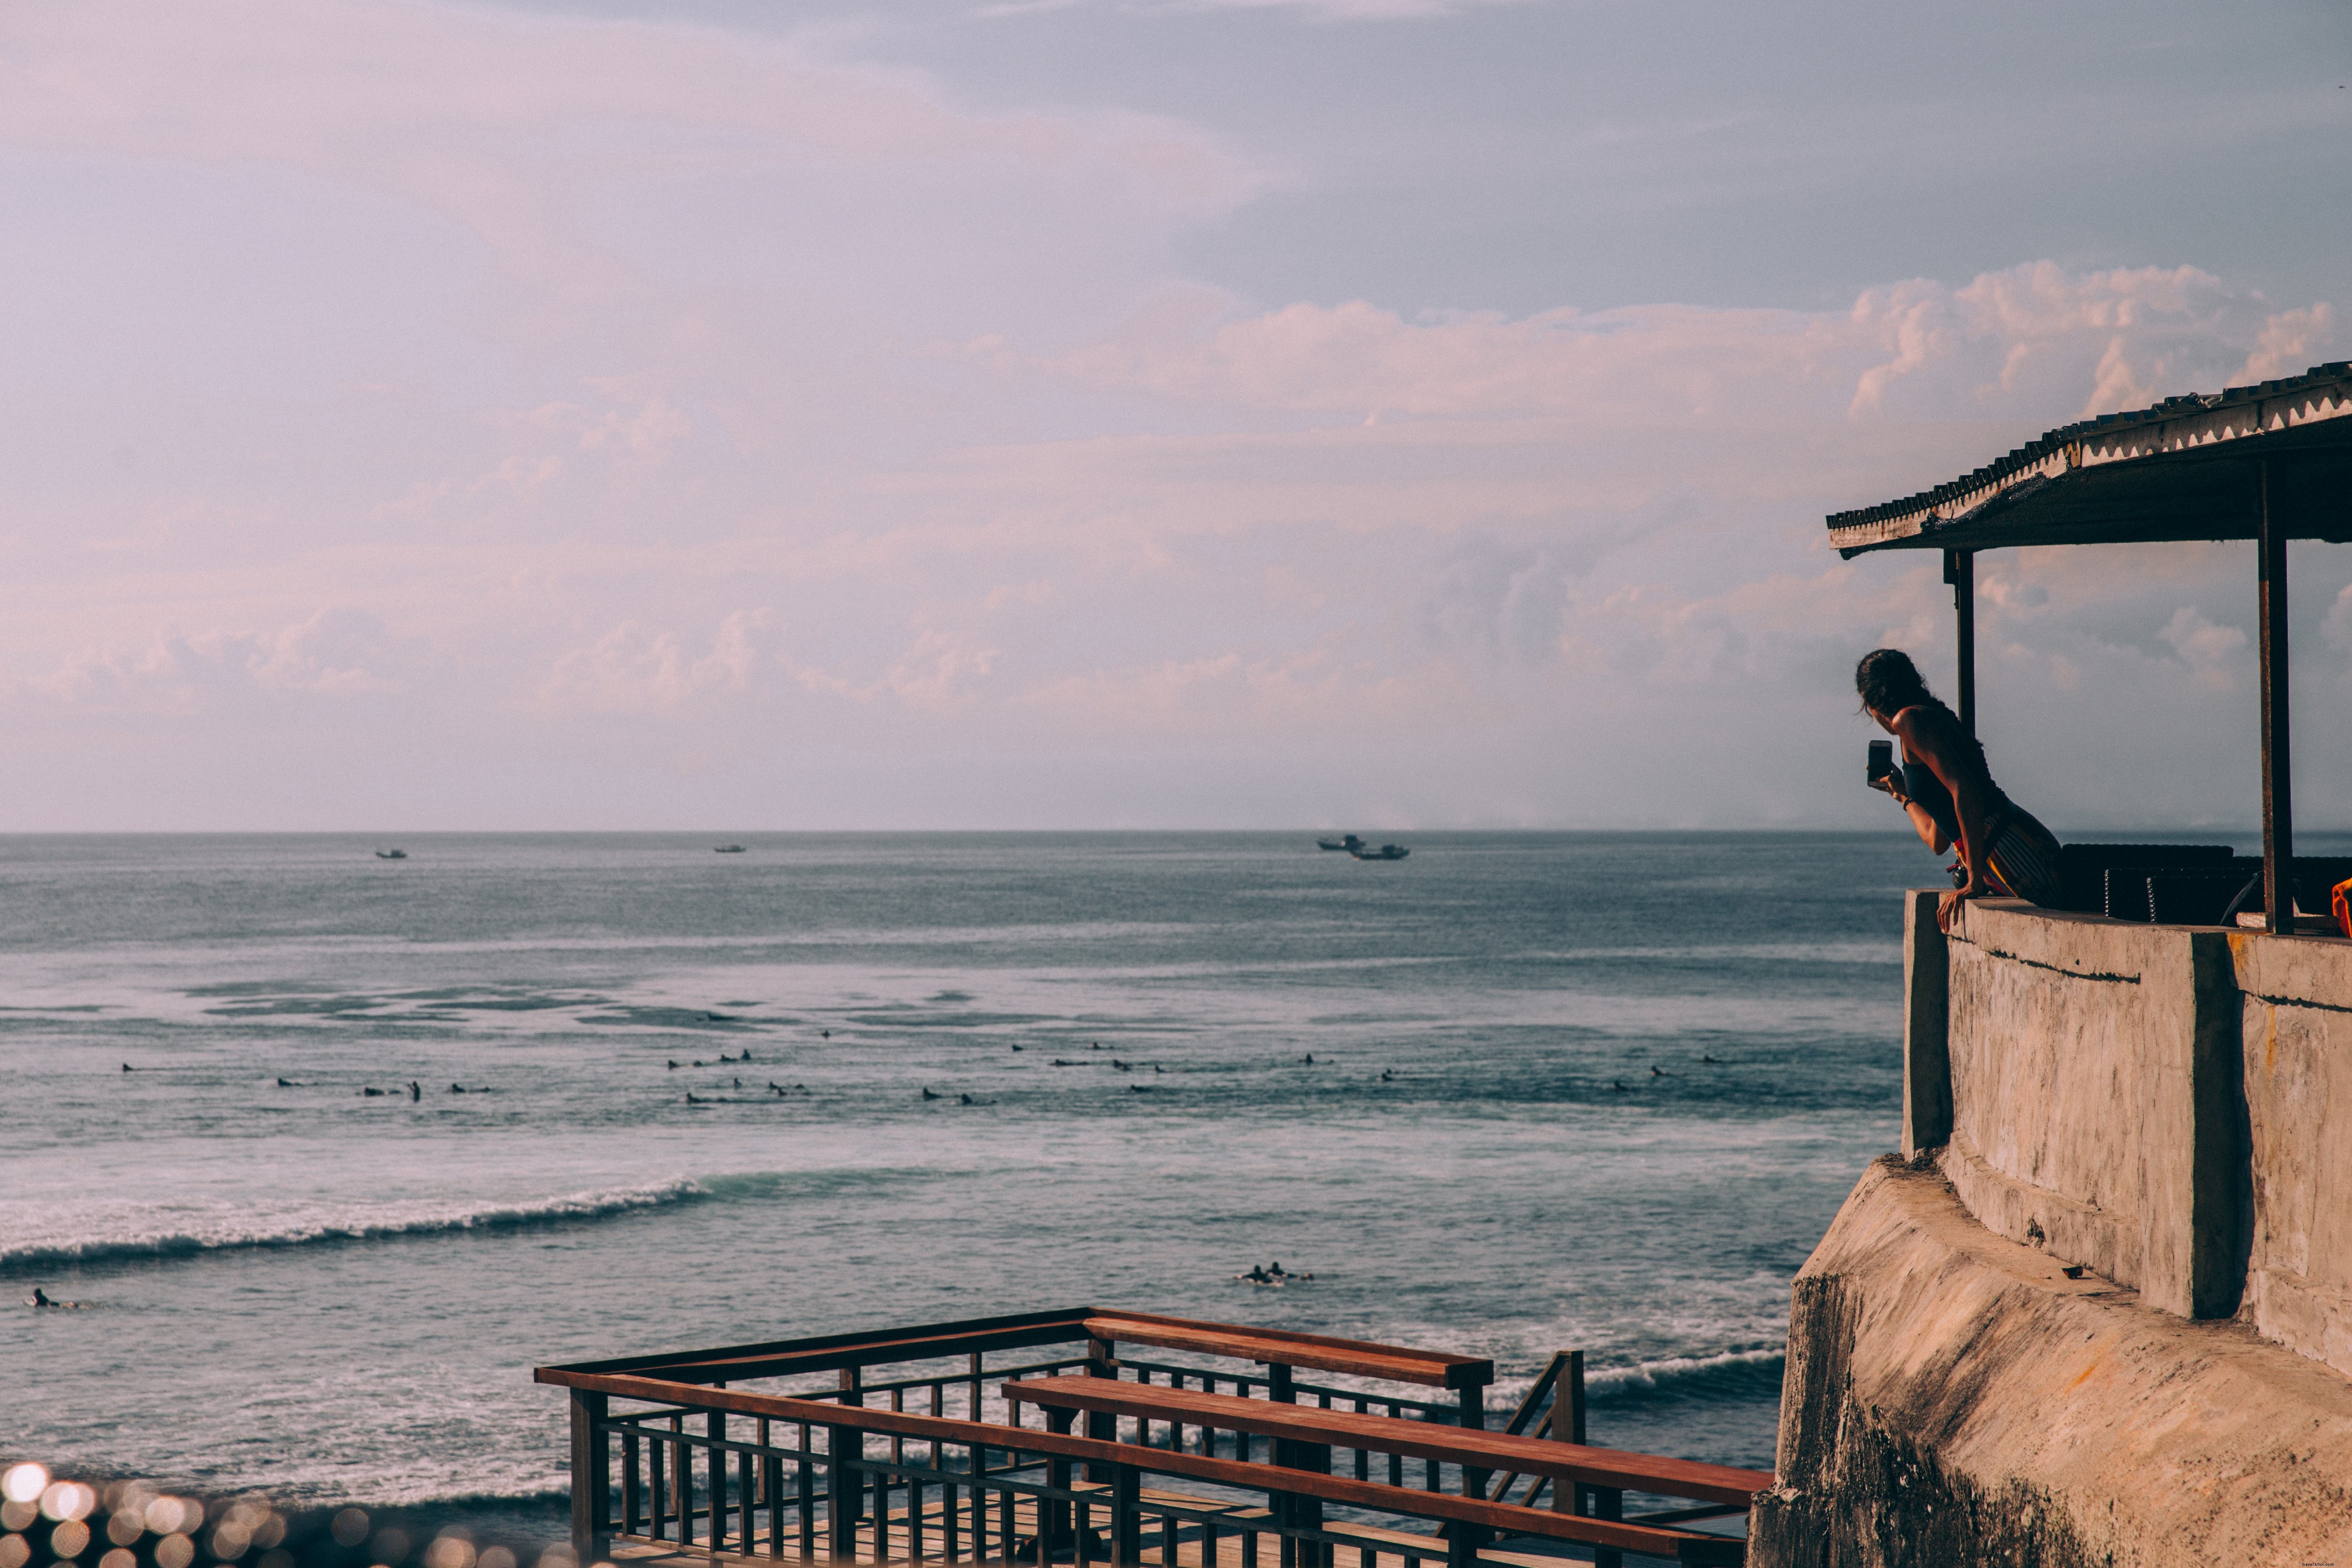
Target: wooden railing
(666, 1454)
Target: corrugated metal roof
(2177, 470)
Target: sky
(1122, 414)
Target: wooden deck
(662, 1446)
(1382, 1545)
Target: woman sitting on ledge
(1946, 788)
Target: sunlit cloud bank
(428, 418)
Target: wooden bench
(1279, 1347)
(1303, 1436)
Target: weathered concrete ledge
(2154, 1103)
(2296, 1024)
(1954, 1397)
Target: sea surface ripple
(1565, 1091)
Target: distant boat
(727, 849)
(1349, 844)
(1385, 852)
(392, 853)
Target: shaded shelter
(2268, 463)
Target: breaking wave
(1732, 1375)
(174, 1237)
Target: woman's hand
(1947, 908)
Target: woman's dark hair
(1889, 682)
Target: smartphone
(1881, 760)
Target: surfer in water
(1271, 1274)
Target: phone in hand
(1882, 762)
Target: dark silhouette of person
(1946, 787)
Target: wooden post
(591, 1479)
(1288, 1508)
(1101, 1424)
(1054, 1514)
(1126, 1518)
(1960, 572)
(844, 1488)
(2278, 798)
(1474, 1482)
(714, 1423)
(1566, 1425)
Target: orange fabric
(2342, 907)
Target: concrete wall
(2295, 1014)
(2152, 1102)
(1953, 1397)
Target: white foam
(161, 1232)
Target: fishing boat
(1385, 852)
(392, 853)
(1349, 844)
(727, 849)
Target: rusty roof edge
(2193, 420)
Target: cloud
(570, 386)
(336, 654)
(2213, 653)
(638, 669)
(2019, 339)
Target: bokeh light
(174, 1516)
(48, 1522)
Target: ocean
(1517, 1093)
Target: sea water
(1515, 1094)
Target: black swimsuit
(2021, 854)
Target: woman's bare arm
(1923, 822)
(1928, 736)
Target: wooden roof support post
(1960, 572)
(2278, 799)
